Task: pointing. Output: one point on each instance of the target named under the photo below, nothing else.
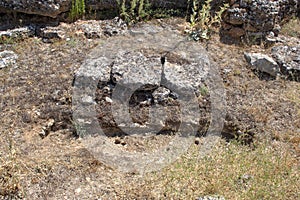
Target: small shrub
(77, 9)
(202, 21)
(137, 11)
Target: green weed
(77, 9)
(201, 20)
(138, 10)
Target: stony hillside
(149, 109)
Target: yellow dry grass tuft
(292, 28)
(234, 171)
(9, 168)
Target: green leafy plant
(201, 20)
(137, 10)
(78, 9)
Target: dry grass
(268, 171)
(9, 168)
(292, 28)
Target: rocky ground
(43, 158)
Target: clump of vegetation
(78, 9)
(204, 91)
(137, 10)
(202, 20)
(7, 40)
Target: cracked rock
(137, 93)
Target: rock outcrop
(50, 8)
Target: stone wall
(253, 20)
(52, 8)
(250, 20)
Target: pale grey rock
(235, 16)
(8, 58)
(262, 63)
(96, 68)
(109, 100)
(131, 68)
(51, 33)
(114, 27)
(92, 31)
(88, 99)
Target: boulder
(49, 33)
(262, 63)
